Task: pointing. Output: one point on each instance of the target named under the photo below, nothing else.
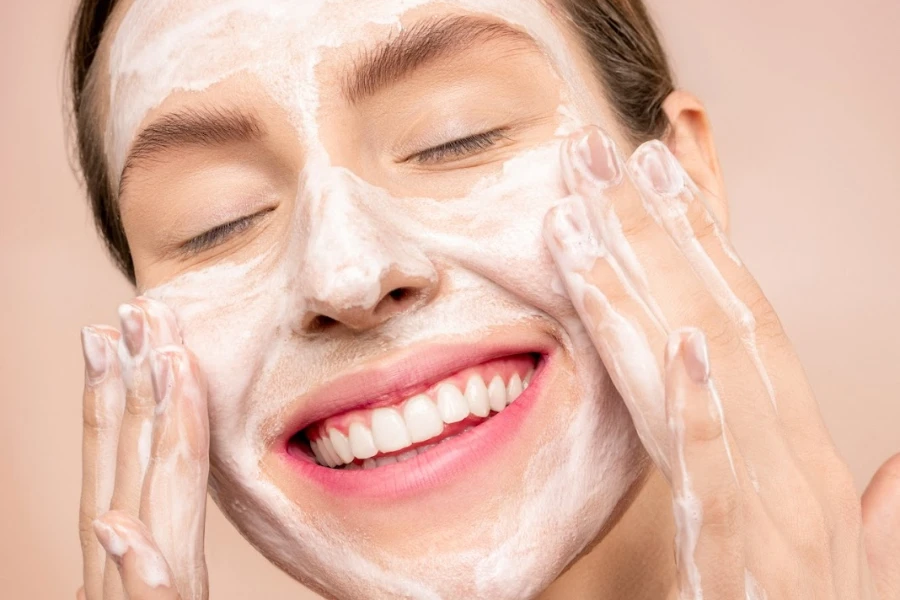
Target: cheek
(229, 316)
(496, 231)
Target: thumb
(881, 525)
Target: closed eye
(458, 149)
(221, 233)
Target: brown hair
(618, 34)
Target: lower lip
(450, 458)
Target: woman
(425, 309)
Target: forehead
(166, 46)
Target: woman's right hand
(145, 461)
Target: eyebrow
(194, 127)
(420, 44)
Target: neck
(634, 559)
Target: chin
(418, 478)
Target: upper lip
(402, 374)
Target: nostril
(396, 300)
(400, 294)
(320, 323)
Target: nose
(359, 273)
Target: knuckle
(85, 527)
(702, 427)
(722, 511)
(139, 408)
(811, 534)
(722, 336)
(701, 220)
(636, 222)
(766, 323)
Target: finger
(173, 502)
(721, 310)
(79, 595)
(103, 403)
(628, 281)
(706, 496)
(143, 570)
(785, 444)
(674, 203)
(682, 209)
(624, 333)
(145, 324)
(881, 525)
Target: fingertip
(673, 347)
(129, 543)
(97, 357)
(687, 347)
(180, 392)
(163, 321)
(181, 363)
(570, 236)
(161, 376)
(133, 324)
(655, 169)
(80, 595)
(590, 161)
(108, 530)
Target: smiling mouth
(371, 438)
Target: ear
(691, 141)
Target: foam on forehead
(164, 46)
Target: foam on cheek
(256, 303)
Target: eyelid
(459, 148)
(220, 233)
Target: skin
(176, 385)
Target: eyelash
(451, 150)
(218, 234)
(460, 148)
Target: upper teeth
(420, 418)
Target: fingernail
(161, 369)
(654, 167)
(133, 328)
(570, 237)
(591, 161)
(110, 539)
(695, 354)
(160, 320)
(96, 358)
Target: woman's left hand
(764, 506)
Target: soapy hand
(763, 505)
(146, 461)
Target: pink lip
(450, 458)
(401, 376)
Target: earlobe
(690, 139)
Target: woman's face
(342, 202)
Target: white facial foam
(485, 249)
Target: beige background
(804, 96)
